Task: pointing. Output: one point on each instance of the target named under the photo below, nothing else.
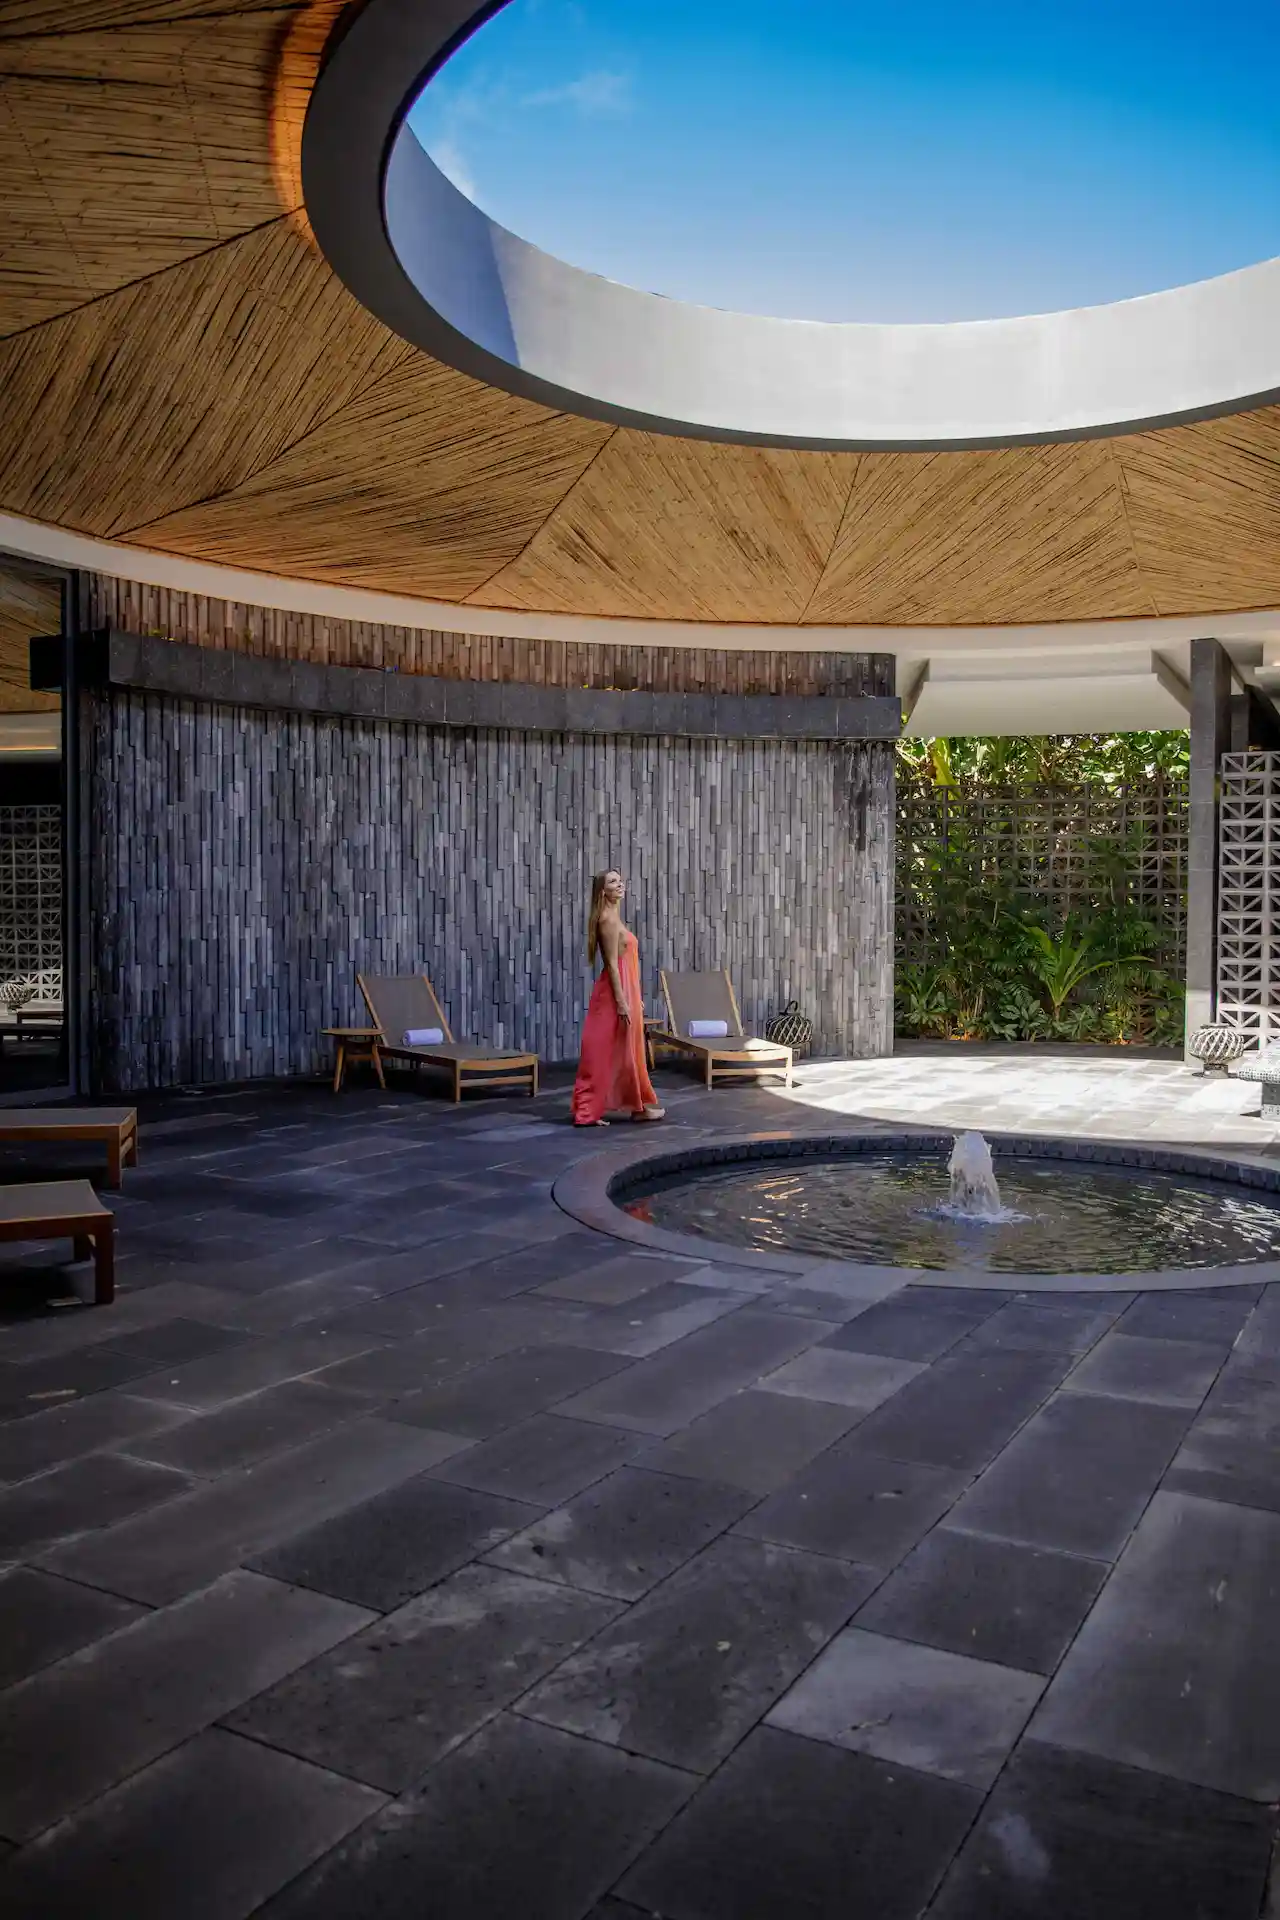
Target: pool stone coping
(593, 1191)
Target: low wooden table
(38, 1023)
(65, 1210)
(116, 1127)
(356, 1044)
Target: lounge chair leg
(376, 1057)
(104, 1266)
(533, 1082)
(114, 1176)
(709, 1071)
(457, 1082)
(339, 1068)
(131, 1157)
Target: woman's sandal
(591, 1123)
(650, 1113)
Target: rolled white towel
(424, 1037)
(708, 1029)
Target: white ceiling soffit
(1094, 703)
(30, 736)
(1012, 645)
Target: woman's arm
(610, 947)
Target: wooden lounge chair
(116, 1127)
(694, 997)
(64, 1209)
(406, 1003)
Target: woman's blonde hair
(593, 917)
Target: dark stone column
(1210, 739)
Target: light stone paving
(1096, 1096)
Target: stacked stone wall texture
(247, 864)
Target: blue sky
(935, 160)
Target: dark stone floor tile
(726, 1278)
(906, 1328)
(834, 1291)
(1170, 1373)
(1042, 1326)
(42, 1619)
(496, 1394)
(684, 1674)
(752, 1440)
(1019, 1606)
(426, 1358)
(613, 1281)
(1065, 1834)
(545, 1460)
(856, 1505)
(249, 1430)
(520, 1824)
(387, 1704)
(1181, 1316)
(76, 1498)
(964, 1408)
(792, 1827)
(1174, 1669)
(208, 1832)
(292, 1308)
(671, 1388)
(1232, 1448)
(1260, 1337)
(384, 1551)
(248, 1369)
(912, 1705)
(981, 1302)
(861, 1380)
(69, 1733)
(59, 1378)
(63, 1433)
(624, 1534)
(175, 1342)
(158, 1557)
(653, 1320)
(471, 1284)
(1077, 1477)
(261, 1272)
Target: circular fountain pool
(1072, 1214)
(894, 1210)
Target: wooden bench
(116, 1127)
(65, 1210)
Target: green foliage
(1106, 760)
(1063, 964)
(1003, 962)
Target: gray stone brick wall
(246, 864)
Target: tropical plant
(1061, 965)
(923, 1001)
(1014, 1013)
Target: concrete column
(1210, 739)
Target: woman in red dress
(612, 1074)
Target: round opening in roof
(442, 272)
(917, 162)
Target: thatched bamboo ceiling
(180, 370)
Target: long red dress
(612, 1074)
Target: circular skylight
(832, 160)
(433, 265)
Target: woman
(612, 1075)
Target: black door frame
(74, 795)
